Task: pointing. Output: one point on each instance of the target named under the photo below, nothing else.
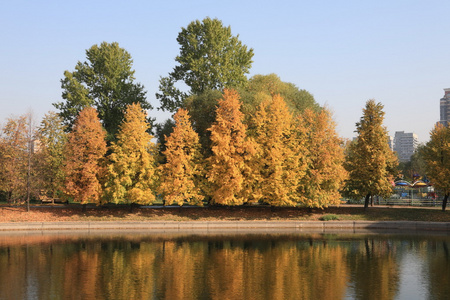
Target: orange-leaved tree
(182, 174)
(132, 172)
(279, 162)
(324, 155)
(13, 158)
(84, 154)
(229, 172)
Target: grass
(50, 213)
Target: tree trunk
(444, 202)
(366, 201)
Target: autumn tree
(84, 152)
(104, 81)
(229, 173)
(279, 161)
(324, 156)
(370, 162)
(13, 158)
(182, 174)
(436, 154)
(210, 58)
(52, 138)
(132, 170)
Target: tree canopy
(132, 169)
(210, 58)
(370, 162)
(84, 152)
(104, 81)
(436, 154)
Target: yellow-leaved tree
(182, 174)
(279, 163)
(370, 162)
(436, 154)
(229, 170)
(132, 164)
(324, 155)
(84, 153)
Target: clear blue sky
(343, 52)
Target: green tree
(84, 154)
(210, 58)
(182, 173)
(436, 154)
(229, 172)
(52, 138)
(132, 170)
(261, 87)
(370, 162)
(104, 81)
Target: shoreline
(225, 225)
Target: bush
(329, 218)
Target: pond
(224, 265)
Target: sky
(342, 52)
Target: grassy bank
(76, 213)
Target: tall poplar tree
(436, 154)
(324, 156)
(104, 81)
(229, 171)
(370, 162)
(132, 164)
(210, 58)
(181, 175)
(84, 152)
(279, 160)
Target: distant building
(391, 142)
(405, 143)
(445, 108)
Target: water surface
(281, 265)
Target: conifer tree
(229, 172)
(279, 160)
(324, 156)
(53, 138)
(85, 150)
(436, 154)
(370, 162)
(132, 166)
(182, 173)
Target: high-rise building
(445, 108)
(405, 143)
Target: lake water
(221, 265)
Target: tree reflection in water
(218, 266)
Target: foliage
(13, 158)
(85, 150)
(106, 82)
(230, 172)
(325, 157)
(262, 87)
(436, 154)
(182, 173)
(279, 162)
(131, 169)
(52, 138)
(370, 162)
(331, 217)
(210, 58)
